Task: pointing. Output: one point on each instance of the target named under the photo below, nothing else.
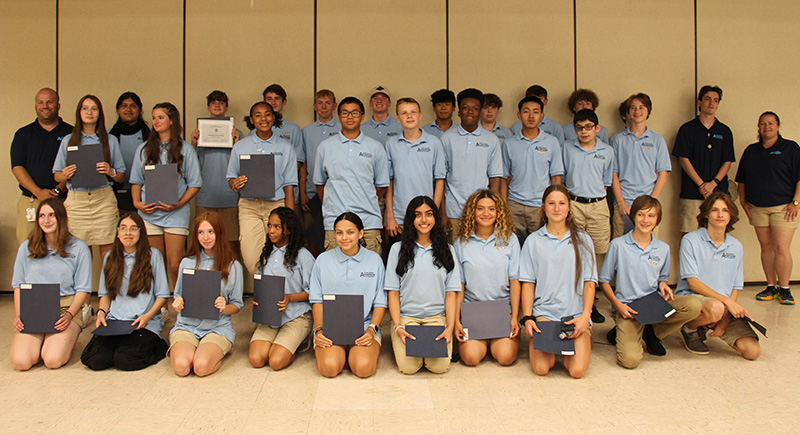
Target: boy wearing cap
(381, 126)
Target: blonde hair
(503, 225)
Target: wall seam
(183, 73)
(57, 66)
(447, 44)
(575, 43)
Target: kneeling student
(712, 268)
(640, 263)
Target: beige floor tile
(477, 420)
(214, 421)
(86, 420)
(279, 421)
(287, 395)
(346, 393)
(156, 420)
(341, 422)
(33, 419)
(399, 421)
(403, 393)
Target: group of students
(436, 193)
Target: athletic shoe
(611, 336)
(596, 316)
(693, 342)
(768, 294)
(86, 313)
(307, 344)
(165, 315)
(652, 343)
(785, 297)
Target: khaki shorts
(230, 217)
(690, 208)
(372, 238)
(526, 218)
(185, 336)
(593, 218)
(24, 227)
(771, 217)
(290, 335)
(156, 230)
(738, 328)
(65, 302)
(545, 319)
(455, 224)
(93, 216)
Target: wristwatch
(525, 319)
(373, 327)
(796, 203)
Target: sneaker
(652, 343)
(693, 342)
(165, 315)
(702, 332)
(86, 313)
(768, 294)
(611, 336)
(307, 344)
(785, 297)
(596, 316)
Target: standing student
(351, 172)
(133, 289)
(531, 162)
(416, 167)
(641, 161)
(491, 108)
(254, 213)
(578, 100)
(130, 130)
(558, 276)
(275, 95)
(284, 255)
(51, 255)
(381, 126)
(473, 159)
(444, 104)
(422, 284)
(640, 263)
(349, 269)
(92, 210)
(216, 195)
(712, 269)
(547, 125)
(769, 191)
(199, 344)
(704, 147)
(167, 225)
(488, 254)
(33, 152)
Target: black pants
(135, 351)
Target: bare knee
(22, 362)
(54, 361)
(750, 351)
(329, 368)
(577, 372)
(363, 368)
(204, 367)
(257, 359)
(279, 360)
(505, 358)
(181, 366)
(716, 311)
(541, 368)
(471, 358)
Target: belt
(583, 200)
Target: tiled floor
(679, 393)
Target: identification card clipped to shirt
(30, 212)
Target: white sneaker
(165, 314)
(86, 313)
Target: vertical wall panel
(400, 45)
(505, 47)
(241, 50)
(750, 51)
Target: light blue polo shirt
(423, 287)
(487, 266)
(290, 132)
(188, 177)
(414, 167)
(127, 147)
(230, 289)
(501, 132)
(588, 173)
(113, 147)
(350, 170)
(216, 193)
(285, 160)
(471, 159)
(638, 162)
(72, 273)
(336, 273)
(531, 164)
(297, 279)
(550, 264)
(313, 135)
(434, 130)
(638, 271)
(382, 131)
(571, 136)
(124, 307)
(548, 125)
(721, 268)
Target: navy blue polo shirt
(707, 149)
(770, 175)
(35, 149)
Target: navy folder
(548, 341)
(260, 172)
(199, 291)
(486, 319)
(85, 158)
(115, 327)
(39, 307)
(425, 345)
(343, 318)
(161, 184)
(652, 308)
(268, 290)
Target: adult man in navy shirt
(705, 149)
(33, 152)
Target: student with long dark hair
(51, 255)
(199, 344)
(422, 282)
(131, 131)
(284, 255)
(93, 212)
(133, 288)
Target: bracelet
(71, 316)
(396, 327)
(316, 330)
(105, 313)
(525, 319)
(622, 202)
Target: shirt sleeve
(381, 167)
(389, 162)
(315, 283)
(185, 263)
(689, 266)
(117, 162)
(20, 265)
(306, 262)
(392, 279)
(682, 145)
(609, 269)
(665, 267)
(320, 174)
(160, 283)
(738, 282)
(556, 163)
(191, 167)
(506, 160)
(559, 134)
(380, 301)
(137, 171)
(452, 281)
(514, 258)
(236, 272)
(608, 172)
(663, 162)
(459, 248)
(728, 150)
(588, 260)
(233, 164)
(289, 169)
(19, 146)
(101, 285)
(527, 265)
(496, 160)
(83, 268)
(61, 157)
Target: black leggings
(135, 351)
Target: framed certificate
(215, 132)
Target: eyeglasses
(353, 114)
(579, 128)
(133, 230)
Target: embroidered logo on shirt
(423, 149)
(285, 135)
(391, 133)
(776, 153)
(717, 136)
(482, 145)
(540, 149)
(277, 153)
(728, 255)
(333, 133)
(365, 154)
(646, 146)
(367, 275)
(599, 156)
(654, 259)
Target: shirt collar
(344, 139)
(331, 123)
(127, 255)
(464, 132)
(342, 257)
(704, 236)
(542, 232)
(89, 136)
(646, 133)
(385, 122)
(491, 238)
(257, 140)
(628, 238)
(422, 139)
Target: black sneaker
(785, 296)
(652, 343)
(596, 316)
(767, 294)
(611, 336)
(693, 342)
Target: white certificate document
(215, 132)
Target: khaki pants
(629, 331)
(253, 219)
(24, 227)
(455, 224)
(372, 238)
(526, 218)
(593, 218)
(410, 364)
